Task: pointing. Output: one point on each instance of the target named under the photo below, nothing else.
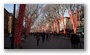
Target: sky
(9, 7)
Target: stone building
(7, 22)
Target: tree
(44, 13)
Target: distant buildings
(67, 23)
(7, 22)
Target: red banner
(76, 16)
(71, 18)
(28, 26)
(52, 26)
(40, 28)
(62, 19)
(46, 28)
(19, 24)
(74, 20)
(57, 25)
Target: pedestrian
(22, 37)
(37, 39)
(47, 36)
(75, 40)
(10, 36)
(43, 37)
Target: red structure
(74, 20)
(28, 25)
(41, 29)
(52, 26)
(62, 19)
(57, 25)
(76, 17)
(19, 24)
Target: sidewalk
(52, 43)
(60, 42)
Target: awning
(80, 30)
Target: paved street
(53, 42)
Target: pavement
(53, 42)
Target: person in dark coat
(46, 35)
(10, 36)
(43, 37)
(38, 39)
(75, 40)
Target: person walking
(74, 40)
(37, 39)
(43, 37)
(10, 36)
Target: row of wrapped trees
(41, 14)
(56, 12)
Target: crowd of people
(74, 38)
